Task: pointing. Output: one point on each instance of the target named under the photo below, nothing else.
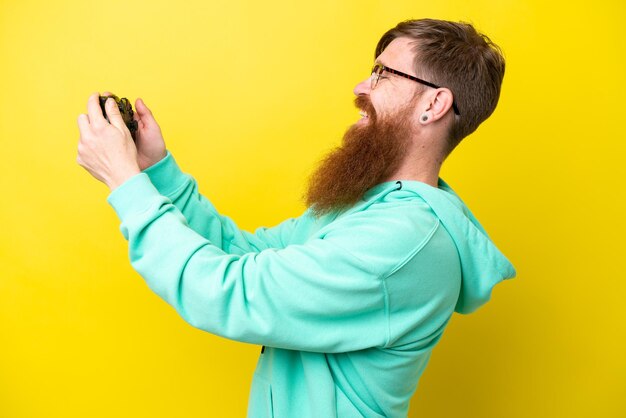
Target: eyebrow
(377, 61)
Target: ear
(438, 105)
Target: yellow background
(249, 96)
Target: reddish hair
(458, 57)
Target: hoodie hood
(482, 264)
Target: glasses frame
(377, 71)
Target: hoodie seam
(401, 264)
(387, 312)
(417, 249)
(384, 277)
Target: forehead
(399, 55)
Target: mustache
(364, 103)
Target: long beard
(369, 154)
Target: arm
(203, 218)
(319, 296)
(182, 190)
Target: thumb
(142, 110)
(113, 112)
(144, 116)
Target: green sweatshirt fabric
(349, 306)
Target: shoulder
(397, 218)
(384, 234)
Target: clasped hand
(107, 151)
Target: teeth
(362, 113)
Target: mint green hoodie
(349, 306)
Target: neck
(419, 167)
(429, 177)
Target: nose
(364, 87)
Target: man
(350, 298)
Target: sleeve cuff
(165, 175)
(135, 195)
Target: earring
(424, 117)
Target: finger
(114, 114)
(96, 118)
(83, 123)
(144, 115)
(142, 110)
(136, 112)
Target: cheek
(391, 104)
(386, 104)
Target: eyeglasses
(378, 70)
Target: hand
(106, 150)
(149, 140)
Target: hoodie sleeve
(319, 296)
(202, 217)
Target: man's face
(392, 92)
(375, 146)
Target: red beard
(370, 153)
